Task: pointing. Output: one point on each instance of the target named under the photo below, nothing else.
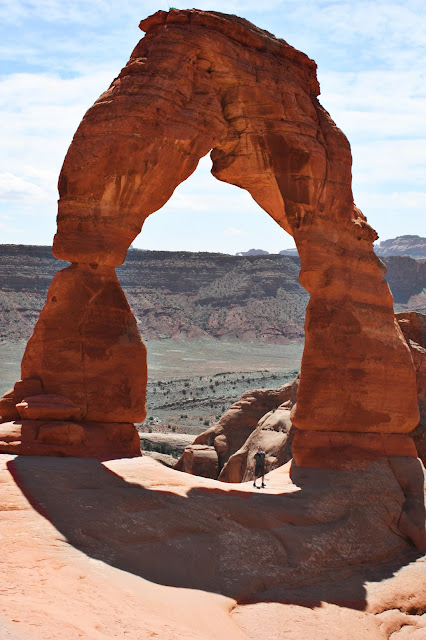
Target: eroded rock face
(261, 417)
(272, 435)
(199, 82)
(86, 347)
(413, 325)
(21, 389)
(199, 460)
(104, 441)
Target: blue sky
(58, 57)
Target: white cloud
(232, 231)
(376, 104)
(383, 115)
(40, 113)
(410, 199)
(390, 161)
(15, 188)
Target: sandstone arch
(201, 81)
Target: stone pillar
(90, 364)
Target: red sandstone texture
(64, 438)
(86, 346)
(231, 441)
(48, 406)
(208, 81)
(199, 82)
(334, 450)
(21, 389)
(413, 326)
(131, 549)
(84, 370)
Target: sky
(57, 57)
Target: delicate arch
(201, 81)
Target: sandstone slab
(199, 460)
(21, 389)
(64, 438)
(96, 550)
(48, 406)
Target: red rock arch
(201, 81)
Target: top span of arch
(240, 30)
(198, 82)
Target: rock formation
(131, 549)
(85, 364)
(413, 246)
(202, 82)
(413, 326)
(183, 294)
(261, 417)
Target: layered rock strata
(199, 82)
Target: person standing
(259, 470)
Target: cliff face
(172, 294)
(412, 246)
(182, 294)
(407, 279)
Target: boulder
(272, 435)
(22, 388)
(199, 460)
(229, 436)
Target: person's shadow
(290, 547)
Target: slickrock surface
(130, 549)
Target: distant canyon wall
(188, 295)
